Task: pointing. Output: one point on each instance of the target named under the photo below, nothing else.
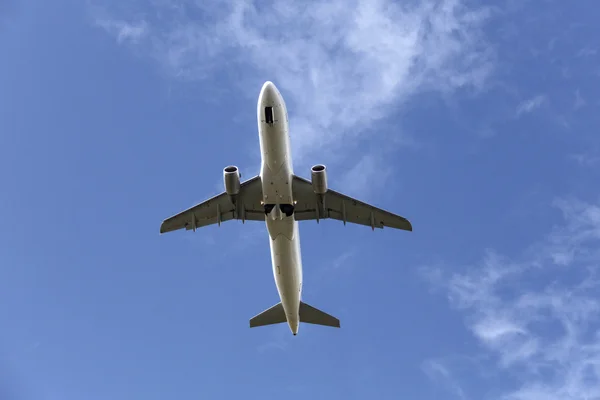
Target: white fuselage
(276, 176)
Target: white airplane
(280, 198)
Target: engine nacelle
(231, 180)
(319, 179)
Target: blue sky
(477, 123)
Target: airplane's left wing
(339, 206)
(220, 209)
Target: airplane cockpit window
(269, 115)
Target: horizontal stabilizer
(311, 315)
(274, 315)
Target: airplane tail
(311, 315)
(271, 316)
(308, 314)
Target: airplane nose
(268, 93)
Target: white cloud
(587, 52)
(342, 65)
(579, 100)
(124, 31)
(586, 159)
(369, 171)
(539, 314)
(342, 260)
(493, 330)
(531, 104)
(439, 373)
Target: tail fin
(311, 315)
(273, 315)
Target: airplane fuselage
(276, 174)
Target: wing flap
(220, 209)
(343, 208)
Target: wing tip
(163, 227)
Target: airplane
(280, 198)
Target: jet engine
(231, 180)
(319, 179)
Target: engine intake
(231, 180)
(319, 179)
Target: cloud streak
(124, 31)
(341, 65)
(538, 315)
(438, 373)
(531, 105)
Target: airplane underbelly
(286, 264)
(276, 169)
(275, 143)
(277, 186)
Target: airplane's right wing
(220, 209)
(344, 208)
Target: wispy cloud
(342, 260)
(539, 314)
(279, 339)
(341, 65)
(124, 31)
(275, 344)
(34, 346)
(438, 373)
(579, 100)
(370, 171)
(530, 105)
(587, 52)
(586, 159)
